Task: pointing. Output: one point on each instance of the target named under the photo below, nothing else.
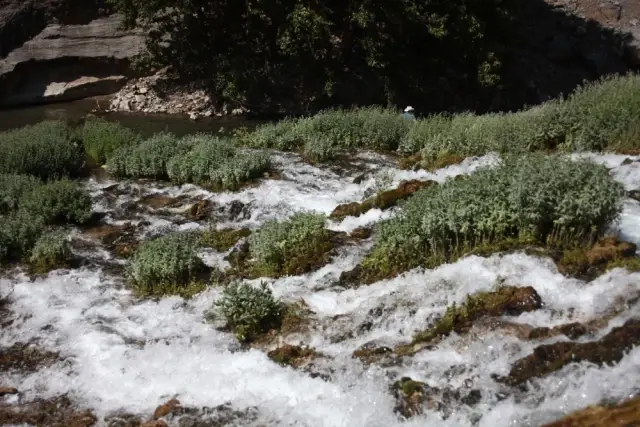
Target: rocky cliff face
(58, 51)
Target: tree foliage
(311, 53)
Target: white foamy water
(124, 354)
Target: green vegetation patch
(534, 198)
(217, 163)
(19, 231)
(224, 239)
(45, 150)
(249, 311)
(101, 138)
(324, 135)
(167, 265)
(290, 247)
(12, 188)
(58, 202)
(148, 159)
(50, 252)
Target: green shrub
(281, 136)
(18, 233)
(550, 200)
(323, 135)
(50, 252)
(167, 265)
(249, 311)
(598, 114)
(46, 150)
(12, 188)
(58, 202)
(148, 159)
(293, 246)
(215, 162)
(101, 138)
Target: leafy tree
(307, 54)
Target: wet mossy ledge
(600, 116)
(503, 301)
(532, 200)
(383, 200)
(624, 413)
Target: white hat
(409, 108)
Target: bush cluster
(29, 207)
(200, 159)
(217, 163)
(598, 116)
(290, 247)
(58, 202)
(166, 265)
(101, 138)
(148, 159)
(324, 135)
(550, 200)
(51, 251)
(249, 311)
(19, 231)
(12, 188)
(46, 150)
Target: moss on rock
(506, 300)
(384, 200)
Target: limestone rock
(66, 62)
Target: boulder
(67, 62)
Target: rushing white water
(124, 354)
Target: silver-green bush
(165, 265)
(248, 311)
(51, 251)
(531, 197)
(18, 233)
(101, 138)
(58, 202)
(290, 247)
(46, 150)
(148, 159)
(215, 162)
(13, 187)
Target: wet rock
(108, 234)
(292, 355)
(56, 412)
(549, 358)
(506, 300)
(361, 233)
(199, 211)
(626, 414)
(590, 263)
(571, 330)
(159, 201)
(634, 194)
(414, 397)
(238, 210)
(360, 178)
(123, 420)
(8, 390)
(384, 200)
(169, 407)
(155, 423)
(25, 358)
(372, 353)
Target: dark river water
(146, 124)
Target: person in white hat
(408, 113)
